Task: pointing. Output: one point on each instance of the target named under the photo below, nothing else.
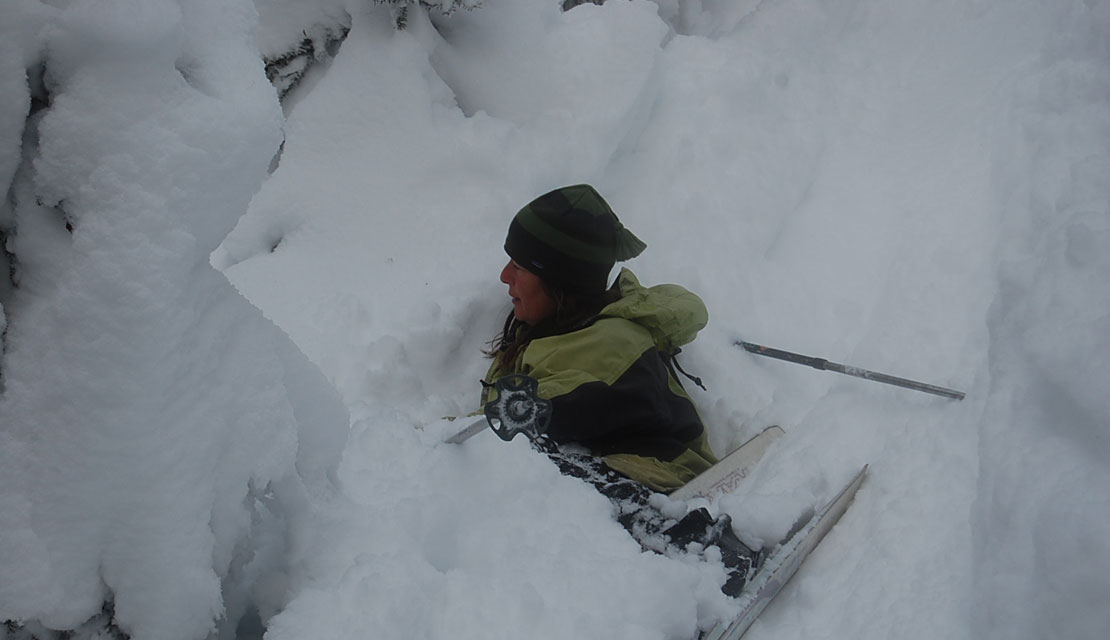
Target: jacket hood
(672, 314)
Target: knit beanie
(571, 239)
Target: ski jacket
(613, 388)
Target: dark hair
(573, 311)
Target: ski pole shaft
(469, 431)
(825, 365)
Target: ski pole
(825, 365)
(517, 409)
(472, 429)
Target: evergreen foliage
(286, 71)
(444, 7)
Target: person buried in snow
(604, 357)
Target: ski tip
(857, 480)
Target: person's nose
(507, 272)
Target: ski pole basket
(518, 408)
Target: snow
(225, 390)
(149, 412)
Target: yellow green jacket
(613, 388)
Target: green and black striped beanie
(571, 239)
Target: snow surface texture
(915, 188)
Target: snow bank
(158, 431)
(1045, 438)
(479, 541)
